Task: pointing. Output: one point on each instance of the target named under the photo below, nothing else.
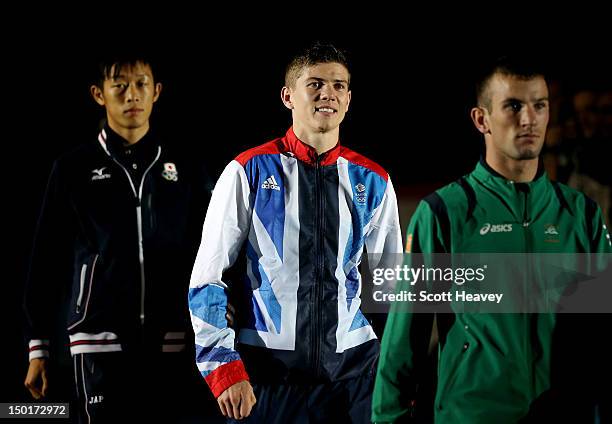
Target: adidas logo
(271, 184)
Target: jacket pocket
(81, 287)
(86, 277)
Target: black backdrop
(411, 99)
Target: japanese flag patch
(170, 172)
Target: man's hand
(230, 316)
(37, 376)
(237, 401)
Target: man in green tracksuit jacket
(492, 368)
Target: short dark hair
(521, 67)
(110, 65)
(318, 52)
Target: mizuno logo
(495, 228)
(98, 174)
(271, 184)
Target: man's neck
(520, 171)
(320, 141)
(130, 135)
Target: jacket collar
(308, 154)
(116, 146)
(494, 179)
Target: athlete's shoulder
(455, 194)
(359, 159)
(455, 199)
(80, 154)
(269, 148)
(567, 191)
(574, 200)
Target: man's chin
(324, 128)
(329, 124)
(528, 154)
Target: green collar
(494, 180)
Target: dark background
(409, 112)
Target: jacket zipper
(318, 288)
(527, 317)
(525, 214)
(138, 197)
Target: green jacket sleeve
(405, 341)
(600, 234)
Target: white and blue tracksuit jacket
(302, 220)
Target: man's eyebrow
(323, 79)
(514, 99)
(121, 76)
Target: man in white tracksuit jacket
(302, 208)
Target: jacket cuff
(38, 348)
(225, 376)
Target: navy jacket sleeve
(50, 264)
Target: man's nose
(328, 93)
(131, 93)
(529, 116)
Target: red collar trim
(307, 153)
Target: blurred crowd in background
(578, 148)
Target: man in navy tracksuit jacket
(119, 227)
(302, 208)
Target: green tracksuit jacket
(491, 367)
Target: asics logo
(495, 228)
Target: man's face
(516, 124)
(320, 97)
(128, 97)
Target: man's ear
(286, 97)
(158, 89)
(97, 95)
(479, 118)
(348, 100)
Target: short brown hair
(317, 53)
(524, 68)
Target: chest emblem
(361, 195)
(170, 173)
(99, 174)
